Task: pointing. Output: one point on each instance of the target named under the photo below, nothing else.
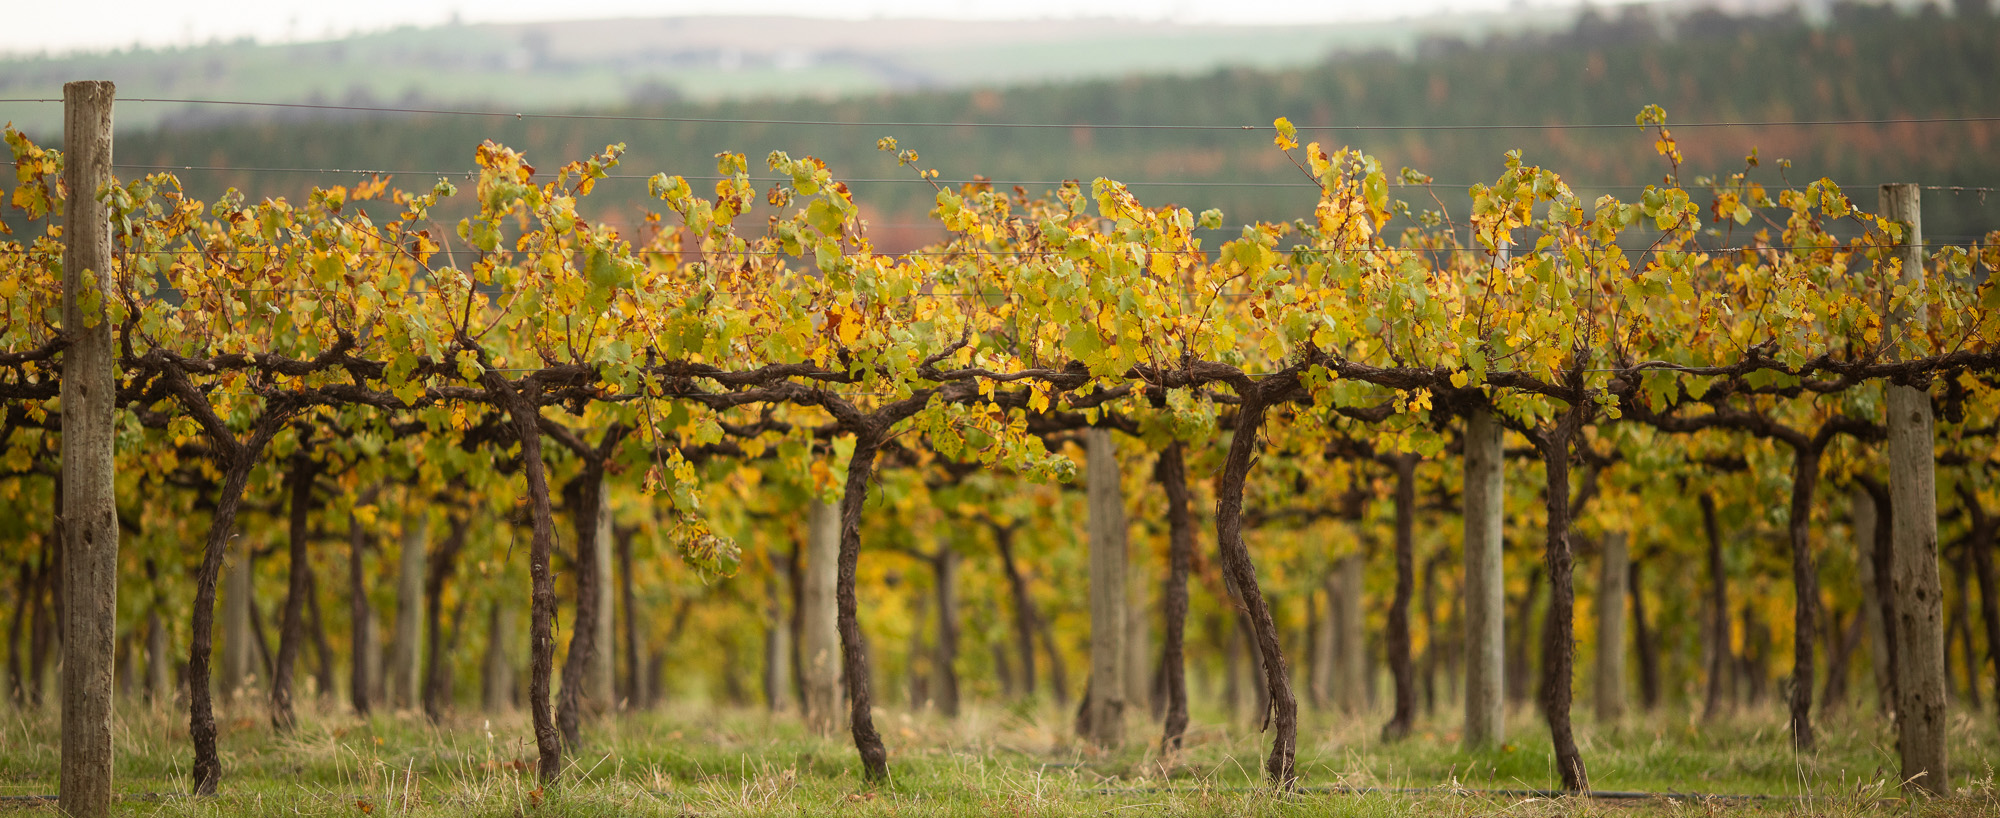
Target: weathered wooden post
(1103, 719)
(1609, 693)
(89, 508)
(1918, 597)
(819, 641)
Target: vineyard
(1463, 452)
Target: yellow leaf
(1288, 135)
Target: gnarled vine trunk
(541, 638)
(1283, 712)
(1805, 585)
(1403, 718)
(589, 515)
(1720, 658)
(1980, 543)
(1171, 471)
(437, 648)
(637, 693)
(1025, 627)
(292, 630)
(853, 651)
(1558, 647)
(1642, 638)
(237, 461)
(361, 617)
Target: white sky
(54, 27)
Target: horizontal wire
(520, 115)
(892, 179)
(913, 180)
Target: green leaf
(1082, 342)
(825, 218)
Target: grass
(995, 760)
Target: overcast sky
(49, 26)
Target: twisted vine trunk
(1877, 517)
(1980, 544)
(1172, 474)
(1558, 647)
(238, 459)
(1433, 638)
(541, 619)
(437, 648)
(1521, 665)
(1719, 658)
(1284, 709)
(1642, 638)
(292, 630)
(590, 514)
(946, 566)
(1403, 718)
(1961, 614)
(636, 693)
(854, 652)
(45, 646)
(1840, 645)
(1805, 584)
(24, 602)
(1025, 626)
(361, 617)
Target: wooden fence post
(819, 640)
(1613, 568)
(1485, 583)
(1103, 719)
(89, 401)
(1918, 598)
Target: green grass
(993, 761)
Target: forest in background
(580, 64)
(1862, 63)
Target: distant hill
(601, 63)
(1859, 63)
